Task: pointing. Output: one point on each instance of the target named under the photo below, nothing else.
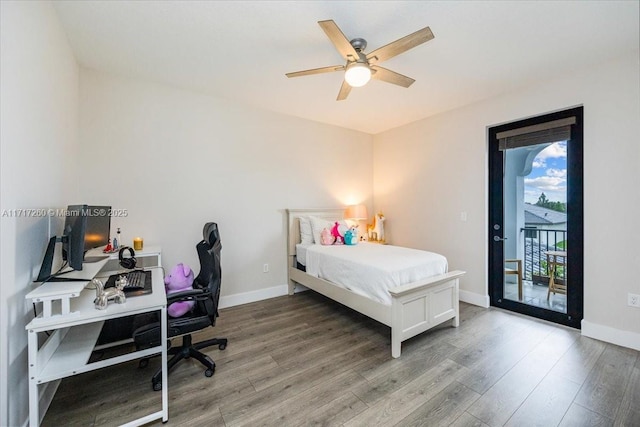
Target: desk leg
(165, 373)
(34, 403)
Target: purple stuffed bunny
(180, 279)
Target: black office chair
(206, 294)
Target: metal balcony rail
(536, 243)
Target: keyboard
(138, 282)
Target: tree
(542, 201)
(546, 203)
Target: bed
(408, 308)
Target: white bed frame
(416, 307)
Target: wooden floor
(304, 360)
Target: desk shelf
(74, 347)
(74, 331)
(71, 350)
(150, 256)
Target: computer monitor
(72, 240)
(98, 227)
(73, 237)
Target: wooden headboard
(293, 227)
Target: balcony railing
(536, 243)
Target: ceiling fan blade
(391, 76)
(339, 40)
(401, 45)
(345, 89)
(316, 71)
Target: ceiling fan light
(357, 74)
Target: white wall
(176, 159)
(38, 150)
(428, 172)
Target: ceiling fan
(360, 66)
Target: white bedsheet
(370, 269)
(301, 253)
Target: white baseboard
(611, 335)
(474, 298)
(253, 296)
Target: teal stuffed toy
(351, 236)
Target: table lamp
(356, 212)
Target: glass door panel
(535, 225)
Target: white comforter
(371, 269)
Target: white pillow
(306, 235)
(317, 224)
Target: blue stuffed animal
(180, 279)
(351, 236)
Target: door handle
(498, 238)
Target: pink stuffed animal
(326, 238)
(335, 232)
(180, 279)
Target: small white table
(556, 259)
(74, 331)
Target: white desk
(72, 338)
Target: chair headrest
(210, 233)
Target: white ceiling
(241, 50)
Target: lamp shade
(356, 212)
(357, 74)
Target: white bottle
(117, 241)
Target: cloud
(546, 183)
(557, 173)
(552, 180)
(554, 187)
(557, 150)
(553, 151)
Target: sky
(548, 175)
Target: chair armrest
(518, 263)
(147, 335)
(190, 295)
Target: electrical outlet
(265, 268)
(634, 300)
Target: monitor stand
(47, 263)
(62, 279)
